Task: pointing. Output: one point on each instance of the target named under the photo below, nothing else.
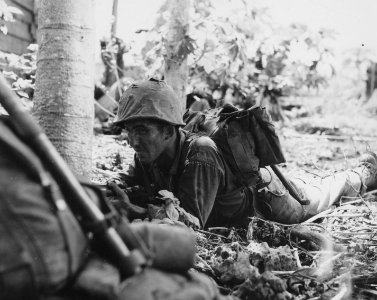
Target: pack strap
(242, 148)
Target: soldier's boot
(368, 170)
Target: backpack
(41, 243)
(246, 138)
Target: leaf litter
(333, 256)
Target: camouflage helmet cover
(150, 99)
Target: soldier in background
(371, 82)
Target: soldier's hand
(122, 201)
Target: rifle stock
(128, 262)
(289, 186)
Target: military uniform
(207, 188)
(201, 180)
(201, 177)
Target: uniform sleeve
(201, 179)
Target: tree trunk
(175, 64)
(63, 101)
(115, 21)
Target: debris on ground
(333, 256)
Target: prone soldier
(199, 174)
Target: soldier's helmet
(150, 99)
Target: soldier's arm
(201, 179)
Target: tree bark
(176, 71)
(63, 101)
(115, 21)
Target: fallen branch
(374, 192)
(104, 109)
(330, 212)
(107, 173)
(358, 234)
(320, 239)
(365, 279)
(112, 99)
(370, 222)
(350, 202)
(282, 273)
(318, 216)
(350, 207)
(345, 215)
(211, 233)
(332, 137)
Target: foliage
(359, 60)
(235, 47)
(7, 15)
(357, 70)
(20, 70)
(231, 256)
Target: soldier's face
(147, 139)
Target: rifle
(289, 186)
(128, 254)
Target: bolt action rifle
(128, 252)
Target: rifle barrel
(289, 186)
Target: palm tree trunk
(63, 101)
(176, 71)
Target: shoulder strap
(182, 158)
(267, 142)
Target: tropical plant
(236, 53)
(20, 70)
(7, 13)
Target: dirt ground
(318, 140)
